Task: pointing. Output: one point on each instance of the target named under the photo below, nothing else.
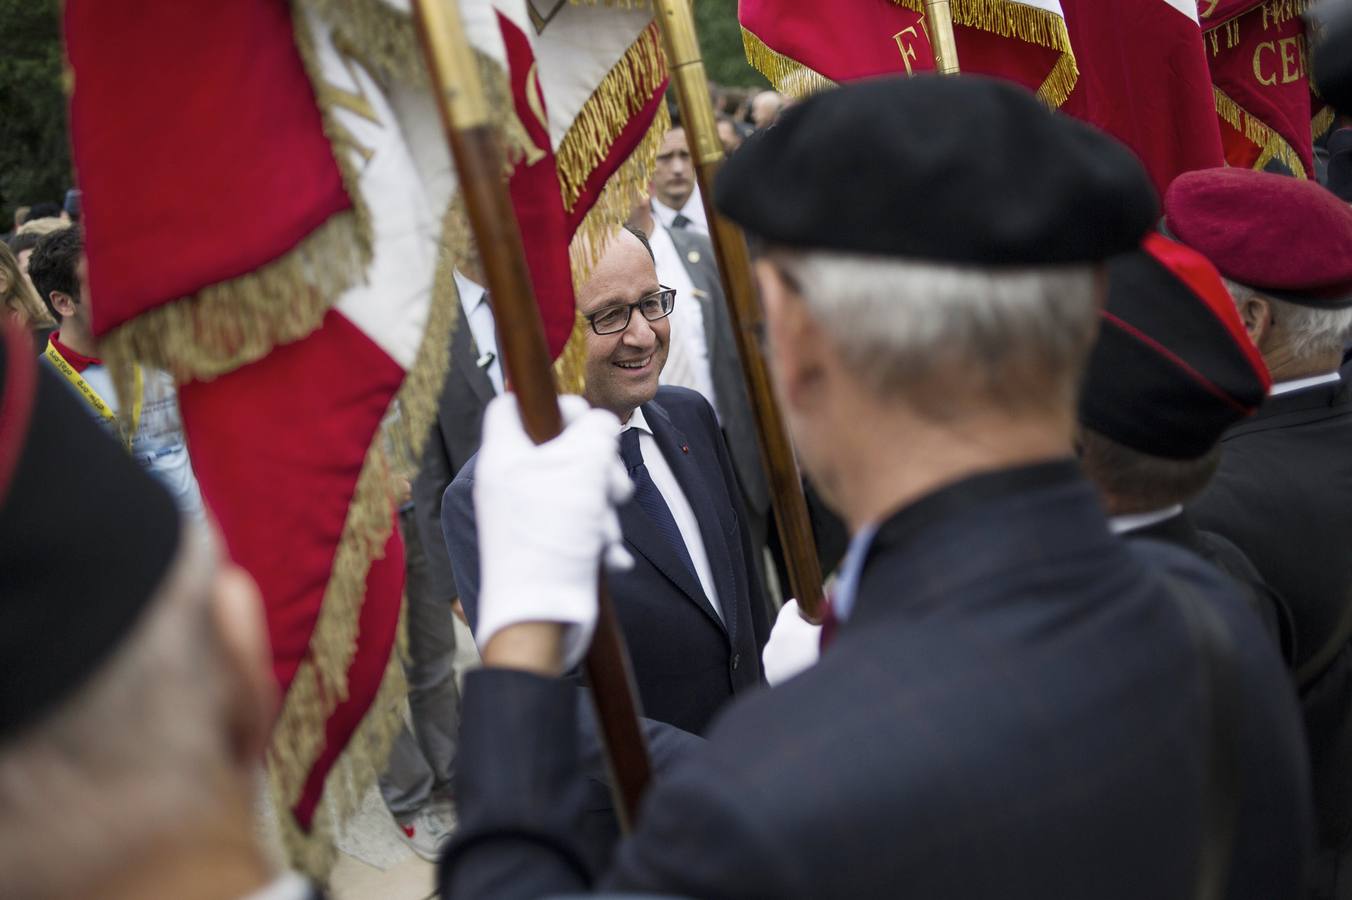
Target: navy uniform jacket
(688, 662)
(1011, 711)
(1283, 494)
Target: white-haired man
(1015, 704)
(1283, 492)
(136, 694)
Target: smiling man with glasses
(692, 607)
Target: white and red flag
(256, 224)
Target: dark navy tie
(649, 498)
(680, 221)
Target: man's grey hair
(1019, 336)
(136, 753)
(1308, 333)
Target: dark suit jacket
(1012, 711)
(1221, 552)
(688, 662)
(451, 443)
(1283, 494)
(739, 424)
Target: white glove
(546, 517)
(794, 645)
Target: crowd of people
(1090, 634)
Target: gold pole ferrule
(692, 86)
(939, 14)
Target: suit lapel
(681, 457)
(465, 357)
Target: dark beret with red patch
(1288, 238)
(964, 170)
(1173, 367)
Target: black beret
(1173, 367)
(952, 169)
(85, 539)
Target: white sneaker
(426, 833)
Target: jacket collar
(976, 531)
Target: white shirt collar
(1300, 384)
(851, 570)
(471, 292)
(1137, 521)
(288, 886)
(636, 420)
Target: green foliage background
(34, 149)
(34, 152)
(720, 40)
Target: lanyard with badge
(92, 397)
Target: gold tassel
(1011, 19)
(1257, 132)
(570, 369)
(620, 96)
(789, 76)
(1321, 122)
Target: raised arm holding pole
(525, 355)
(734, 267)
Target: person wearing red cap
(1172, 369)
(1283, 492)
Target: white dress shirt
(688, 357)
(693, 210)
(681, 511)
(479, 315)
(1137, 521)
(1300, 384)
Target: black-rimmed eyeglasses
(614, 319)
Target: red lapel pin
(685, 448)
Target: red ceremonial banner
(795, 44)
(198, 163)
(1260, 71)
(1144, 79)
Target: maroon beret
(1289, 238)
(1173, 367)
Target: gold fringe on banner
(382, 37)
(789, 76)
(615, 204)
(1274, 12)
(620, 96)
(1011, 19)
(1321, 122)
(570, 369)
(1257, 132)
(313, 852)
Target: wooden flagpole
(734, 267)
(940, 16)
(525, 354)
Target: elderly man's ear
(796, 345)
(252, 701)
(1256, 314)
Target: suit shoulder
(683, 402)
